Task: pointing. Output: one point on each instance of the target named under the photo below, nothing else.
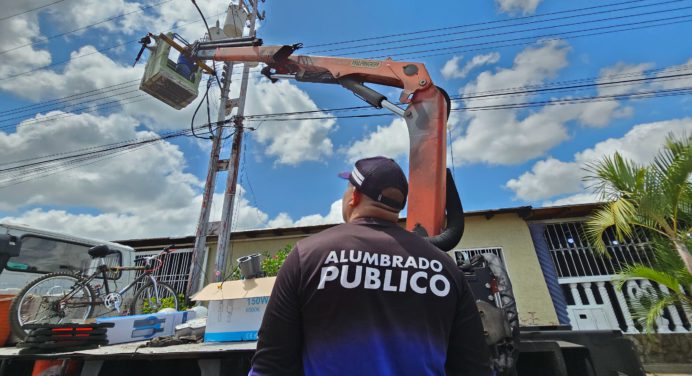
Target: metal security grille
(175, 269)
(463, 255)
(587, 280)
(574, 256)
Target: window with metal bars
(464, 255)
(175, 268)
(574, 256)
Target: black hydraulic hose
(450, 237)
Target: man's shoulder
(336, 231)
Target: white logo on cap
(357, 175)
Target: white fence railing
(594, 303)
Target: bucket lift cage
(176, 83)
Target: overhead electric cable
(513, 25)
(563, 34)
(65, 108)
(470, 25)
(44, 39)
(518, 24)
(30, 10)
(494, 94)
(93, 52)
(540, 37)
(48, 102)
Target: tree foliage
(658, 198)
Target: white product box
(144, 327)
(235, 308)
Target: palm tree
(657, 198)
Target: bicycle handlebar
(166, 250)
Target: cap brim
(344, 175)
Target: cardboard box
(235, 308)
(144, 327)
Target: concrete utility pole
(231, 182)
(216, 165)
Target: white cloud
(142, 178)
(518, 6)
(334, 216)
(19, 31)
(290, 142)
(559, 177)
(677, 82)
(451, 68)
(551, 178)
(142, 193)
(576, 199)
(620, 72)
(390, 141)
(513, 136)
(499, 136)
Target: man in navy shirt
(368, 297)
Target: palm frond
(656, 310)
(646, 272)
(618, 214)
(613, 177)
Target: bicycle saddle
(100, 251)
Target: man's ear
(356, 198)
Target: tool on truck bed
(434, 206)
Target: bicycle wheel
(145, 299)
(44, 301)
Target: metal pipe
(392, 107)
(284, 76)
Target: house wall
(511, 232)
(504, 230)
(245, 247)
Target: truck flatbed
(209, 356)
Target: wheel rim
(146, 302)
(41, 303)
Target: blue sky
(502, 158)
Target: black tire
(144, 302)
(81, 308)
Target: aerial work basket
(175, 83)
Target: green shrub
(272, 264)
(167, 302)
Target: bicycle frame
(102, 269)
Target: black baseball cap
(372, 176)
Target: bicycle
(64, 297)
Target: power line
(43, 168)
(48, 102)
(640, 95)
(530, 42)
(112, 104)
(30, 10)
(470, 25)
(94, 52)
(64, 108)
(508, 26)
(506, 92)
(564, 34)
(501, 93)
(515, 25)
(84, 27)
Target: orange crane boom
(425, 114)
